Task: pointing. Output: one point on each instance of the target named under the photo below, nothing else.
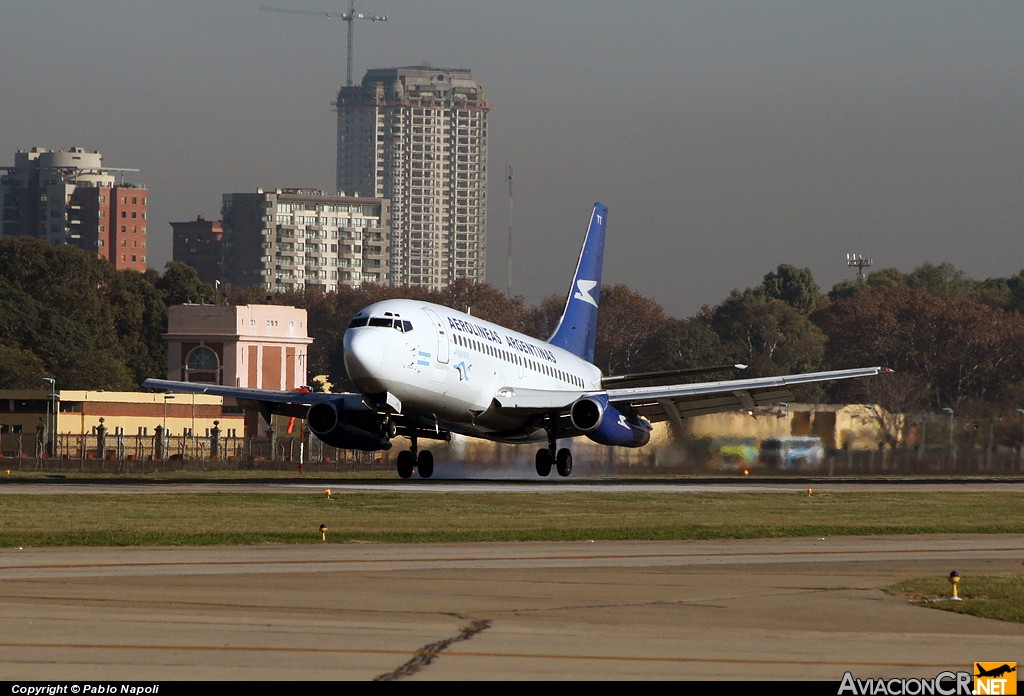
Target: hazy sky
(726, 137)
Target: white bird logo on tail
(583, 288)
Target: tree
(20, 368)
(994, 292)
(681, 344)
(180, 284)
(544, 317)
(962, 349)
(794, 286)
(885, 276)
(20, 317)
(64, 280)
(625, 323)
(943, 280)
(888, 277)
(769, 335)
(1015, 288)
(139, 324)
(487, 302)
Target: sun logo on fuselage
(583, 288)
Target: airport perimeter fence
(146, 454)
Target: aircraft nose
(364, 352)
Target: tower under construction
(418, 136)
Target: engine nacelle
(348, 428)
(607, 425)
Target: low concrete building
(75, 423)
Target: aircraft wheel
(425, 464)
(564, 462)
(543, 462)
(406, 460)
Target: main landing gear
(562, 458)
(422, 461)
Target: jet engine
(349, 425)
(603, 423)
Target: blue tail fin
(577, 329)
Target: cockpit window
(389, 322)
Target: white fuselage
(447, 365)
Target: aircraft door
(442, 336)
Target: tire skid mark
(429, 653)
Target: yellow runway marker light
(327, 493)
(954, 580)
(323, 532)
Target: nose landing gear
(413, 458)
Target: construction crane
(350, 17)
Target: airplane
(426, 371)
(996, 671)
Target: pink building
(256, 346)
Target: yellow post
(954, 580)
(323, 532)
(327, 493)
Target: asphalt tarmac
(748, 610)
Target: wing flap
(658, 410)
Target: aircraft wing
(674, 402)
(267, 401)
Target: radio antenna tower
(348, 17)
(859, 262)
(509, 229)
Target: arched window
(202, 364)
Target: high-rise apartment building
(293, 239)
(71, 198)
(418, 137)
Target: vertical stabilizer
(577, 329)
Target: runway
(776, 609)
